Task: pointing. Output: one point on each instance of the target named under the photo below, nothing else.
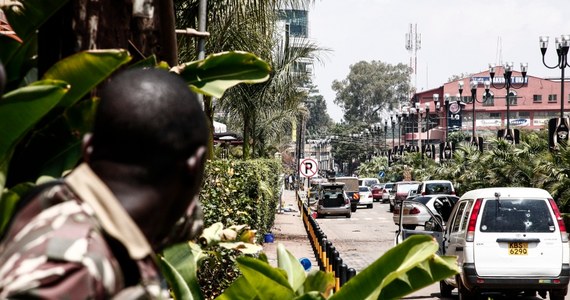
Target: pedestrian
(94, 233)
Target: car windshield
(438, 188)
(520, 215)
(404, 188)
(363, 189)
(388, 185)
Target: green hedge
(237, 192)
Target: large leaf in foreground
(179, 267)
(20, 110)
(85, 70)
(218, 72)
(267, 282)
(405, 268)
(295, 271)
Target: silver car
(415, 211)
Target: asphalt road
(367, 235)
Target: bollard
(350, 273)
(337, 264)
(329, 255)
(343, 274)
(322, 252)
(336, 255)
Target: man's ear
(87, 147)
(196, 159)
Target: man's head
(150, 133)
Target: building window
(537, 98)
(495, 115)
(524, 114)
(512, 98)
(552, 98)
(489, 100)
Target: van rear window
(521, 215)
(438, 188)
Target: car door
(517, 237)
(454, 242)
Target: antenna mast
(413, 44)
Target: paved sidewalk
(289, 230)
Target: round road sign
(308, 167)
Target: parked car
(332, 200)
(432, 187)
(386, 192)
(507, 241)
(365, 196)
(369, 182)
(351, 189)
(400, 191)
(377, 190)
(415, 212)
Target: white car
(507, 241)
(415, 211)
(365, 196)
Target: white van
(507, 241)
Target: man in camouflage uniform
(93, 235)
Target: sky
(457, 36)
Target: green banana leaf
(263, 281)
(25, 17)
(20, 110)
(295, 271)
(405, 268)
(85, 70)
(218, 72)
(179, 267)
(320, 282)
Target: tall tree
(250, 25)
(319, 120)
(371, 87)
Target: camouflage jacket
(75, 241)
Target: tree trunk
(245, 145)
(209, 110)
(107, 24)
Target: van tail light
(473, 220)
(414, 211)
(423, 193)
(346, 201)
(452, 192)
(558, 217)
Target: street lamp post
(508, 69)
(427, 123)
(386, 134)
(446, 102)
(562, 45)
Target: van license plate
(518, 248)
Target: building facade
(533, 102)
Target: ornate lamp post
(386, 134)
(446, 102)
(562, 45)
(508, 85)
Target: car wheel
(445, 289)
(557, 294)
(348, 216)
(464, 293)
(369, 205)
(409, 227)
(319, 216)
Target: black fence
(328, 257)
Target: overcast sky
(457, 37)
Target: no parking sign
(308, 167)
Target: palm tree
(250, 25)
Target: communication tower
(413, 44)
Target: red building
(532, 105)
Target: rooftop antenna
(413, 44)
(499, 55)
